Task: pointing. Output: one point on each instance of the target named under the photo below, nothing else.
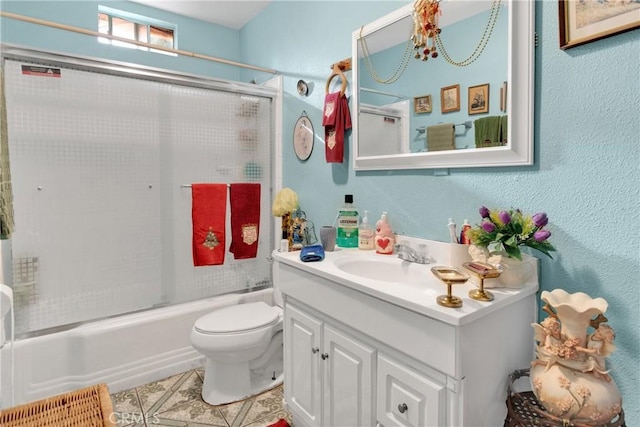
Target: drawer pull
(324, 356)
(314, 350)
(402, 408)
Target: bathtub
(123, 352)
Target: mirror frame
(520, 102)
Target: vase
(569, 376)
(515, 272)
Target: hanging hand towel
(208, 214)
(487, 132)
(336, 120)
(441, 137)
(245, 220)
(504, 128)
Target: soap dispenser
(385, 238)
(366, 235)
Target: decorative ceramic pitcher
(569, 377)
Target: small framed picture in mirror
(422, 104)
(450, 98)
(479, 99)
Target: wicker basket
(524, 410)
(86, 407)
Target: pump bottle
(366, 234)
(385, 239)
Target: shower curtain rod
(137, 43)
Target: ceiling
(229, 13)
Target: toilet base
(230, 382)
(225, 384)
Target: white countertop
(417, 297)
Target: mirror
(438, 115)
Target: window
(135, 27)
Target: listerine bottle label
(347, 233)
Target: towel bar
(467, 125)
(189, 185)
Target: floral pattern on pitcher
(569, 376)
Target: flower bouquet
(506, 231)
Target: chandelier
(426, 32)
(426, 28)
(425, 40)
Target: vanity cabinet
(329, 373)
(362, 352)
(407, 398)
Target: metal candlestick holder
(482, 271)
(450, 276)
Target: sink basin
(386, 269)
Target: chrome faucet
(407, 253)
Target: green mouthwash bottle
(348, 221)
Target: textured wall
(586, 173)
(193, 35)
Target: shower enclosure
(102, 158)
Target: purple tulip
(504, 217)
(484, 212)
(540, 219)
(541, 235)
(488, 226)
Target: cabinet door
(302, 386)
(348, 380)
(408, 399)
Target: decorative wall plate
(303, 136)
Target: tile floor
(176, 401)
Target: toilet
(243, 349)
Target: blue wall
(193, 35)
(586, 174)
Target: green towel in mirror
(487, 131)
(504, 121)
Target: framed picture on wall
(450, 98)
(422, 104)
(586, 21)
(479, 99)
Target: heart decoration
(383, 242)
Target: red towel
(330, 109)
(245, 220)
(208, 214)
(280, 423)
(336, 120)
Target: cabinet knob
(324, 356)
(314, 350)
(402, 408)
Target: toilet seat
(238, 319)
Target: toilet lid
(238, 318)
